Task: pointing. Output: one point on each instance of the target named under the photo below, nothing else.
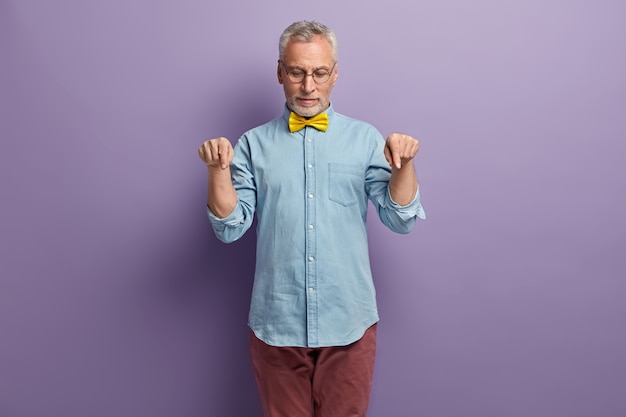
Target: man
(308, 175)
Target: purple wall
(117, 300)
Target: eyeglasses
(296, 75)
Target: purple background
(117, 300)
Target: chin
(307, 111)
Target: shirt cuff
(233, 219)
(413, 208)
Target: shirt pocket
(345, 183)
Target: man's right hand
(216, 153)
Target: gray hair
(304, 31)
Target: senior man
(308, 175)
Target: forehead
(316, 53)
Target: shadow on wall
(209, 283)
(199, 293)
(191, 292)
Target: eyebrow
(314, 69)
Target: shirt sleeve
(398, 218)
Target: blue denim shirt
(310, 189)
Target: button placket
(311, 242)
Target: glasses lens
(296, 76)
(321, 76)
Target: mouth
(306, 102)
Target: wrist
(218, 170)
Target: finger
(407, 152)
(224, 154)
(415, 148)
(208, 153)
(396, 155)
(205, 152)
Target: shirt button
(310, 195)
(311, 289)
(311, 259)
(310, 227)
(310, 166)
(308, 139)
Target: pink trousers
(320, 382)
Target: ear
(279, 74)
(335, 74)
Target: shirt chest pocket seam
(345, 183)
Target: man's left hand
(400, 149)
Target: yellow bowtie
(297, 122)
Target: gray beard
(305, 111)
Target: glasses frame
(312, 74)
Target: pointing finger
(396, 155)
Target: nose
(308, 85)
